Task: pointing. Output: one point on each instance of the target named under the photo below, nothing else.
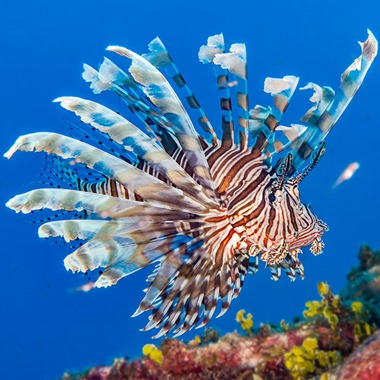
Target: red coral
(364, 363)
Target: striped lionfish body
(206, 209)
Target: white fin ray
(159, 91)
(132, 138)
(146, 186)
(104, 206)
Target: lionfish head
(302, 227)
(288, 224)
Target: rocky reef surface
(337, 339)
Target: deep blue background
(45, 328)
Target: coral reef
(336, 340)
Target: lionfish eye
(271, 197)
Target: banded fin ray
(125, 254)
(159, 57)
(235, 61)
(329, 106)
(264, 121)
(104, 206)
(128, 135)
(145, 185)
(121, 228)
(215, 45)
(163, 96)
(111, 77)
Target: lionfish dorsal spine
(162, 95)
(159, 57)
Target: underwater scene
(189, 190)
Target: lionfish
(206, 209)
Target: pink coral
(364, 363)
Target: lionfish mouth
(312, 237)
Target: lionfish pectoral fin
(162, 95)
(191, 281)
(131, 137)
(159, 57)
(148, 187)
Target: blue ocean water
(46, 328)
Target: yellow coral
(195, 342)
(336, 302)
(323, 288)
(357, 330)
(240, 316)
(363, 330)
(314, 308)
(328, 359)
(331, 317)
(327, 376)
(324, 308)
(367, 329)
(357, 307)
(310, 344)
(305, 359)
(297, 365)
(154, 353)
(246, 322)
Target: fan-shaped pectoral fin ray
(128, 135)
(111, 77)
(146, 186)
(163, 96)
(127, 254)
(139, 228)
(159, 57)
(79, 229)
(99, 253)
(264, 121)
(104, 206)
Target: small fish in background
(84, 288)
(347, 173)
